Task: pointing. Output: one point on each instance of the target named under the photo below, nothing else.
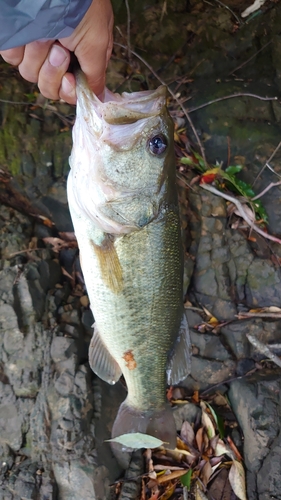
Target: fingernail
(57, 56)
(66, 87)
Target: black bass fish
(123, 202)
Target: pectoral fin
(101, 361)
(179, 364)
(110, 266)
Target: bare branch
(174, 97)
(231, 96)
(241, 211)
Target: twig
(231, 11)
(238, 94)
(271, 185)
(263, 349)
(250, 58)
(14, 254)
(181, 178)
(268, 161)
(227, 381)
(272, 170)
(241, 211)
(17, 103)
(245, 315)
(128, 31)
(174, 97)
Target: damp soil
(225, 71)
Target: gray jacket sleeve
(23, 21)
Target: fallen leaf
(186, 479)
(206, 473)
(173, 475)
(168, 492)
(199, 439)
(137, 440)
(207, 421)
(200, 495)
(187, 433)
(234, 448)
(221, 448)
(237, 480)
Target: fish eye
(158, 144)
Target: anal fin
(179, 364)
(101, 361)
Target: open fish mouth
(121, 108)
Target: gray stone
(256, 406)
(209, 346)
(10, 426)
(207, 372)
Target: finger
(34, 56)
(67, 91)
(53, 70)
(94, 64)
(13, 56)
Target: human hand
(47, 62)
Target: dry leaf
(221, 448)
(207, 421)
(168, 492)
(173, 475)
(234, 448)
(237, 480)
(206, 473)
(187, 433)
(200, 495)
(199, 439)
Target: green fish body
(123, 202)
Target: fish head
(122, 158)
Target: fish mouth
(120, 109)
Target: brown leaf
(234, 448)
(172, 475)
(187, 433)
(206, 473)
(220, 488)
(200, 439)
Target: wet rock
(79, 479)
(28, 481)
(206, 372)
(189, 412)
(59, 213)
(257, 405)
(209, 346)
(10, 426)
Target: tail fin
(160, 424)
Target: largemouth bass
(123, 202)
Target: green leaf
(201, 162)
(137, 440)
(233, 169)
(186, 479)
(186, 160)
